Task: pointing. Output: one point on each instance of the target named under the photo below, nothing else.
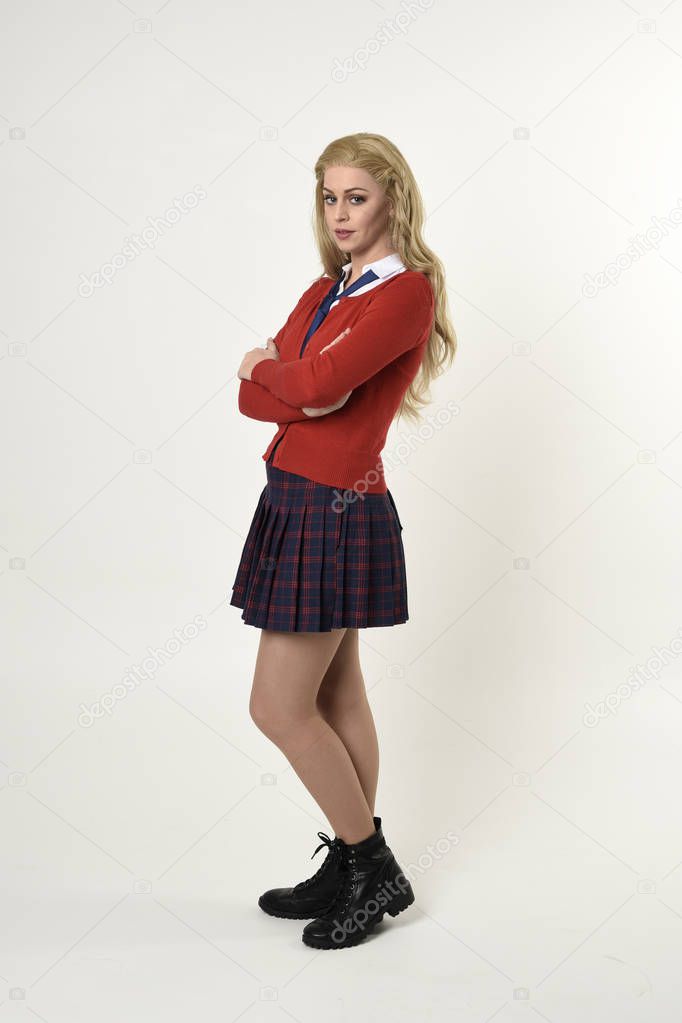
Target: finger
(334, 342)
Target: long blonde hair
(384, 161)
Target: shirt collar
(382, 267)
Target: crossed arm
(397, 320)
(394, 323)
(257, 402)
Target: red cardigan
(377, 361)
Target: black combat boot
(372, 883)
(315, 896)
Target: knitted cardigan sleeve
(256, 402)
(398, 319)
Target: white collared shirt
(387, 267)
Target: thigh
(290, 667)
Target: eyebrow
(358, 188)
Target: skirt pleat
(318, 558)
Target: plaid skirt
(318, 558)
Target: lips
(342, 234)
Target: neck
(360, 259)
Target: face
(355, 203)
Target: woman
(324, 554)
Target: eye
(360, 197)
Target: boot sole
(282, 915)
(356, 939)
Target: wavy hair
(383, 160)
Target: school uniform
(324, 549)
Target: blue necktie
(331, 297)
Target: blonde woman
(324, 557)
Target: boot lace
(344, 895)
(332, 852)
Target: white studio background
(531, 708)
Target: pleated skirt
(318, 558)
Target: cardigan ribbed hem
(361, 471)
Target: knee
(270, 715)
(260, 710)
(336, 700)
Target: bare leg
(342, 702)
(290, 667)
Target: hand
(272, 347)
(336, 340)
(314, 412)
(255, 356)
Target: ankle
(355, 837)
